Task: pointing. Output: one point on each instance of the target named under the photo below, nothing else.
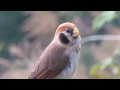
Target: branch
(100, 37)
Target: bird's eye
(68, 30)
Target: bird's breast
(69, 71)
(74, 53)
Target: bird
(60, 58)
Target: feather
(51, 63)
(60, 58)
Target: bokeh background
(25, 34)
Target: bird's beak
(75, 33)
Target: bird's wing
(50, 64)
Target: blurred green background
(25, 34)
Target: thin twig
(100, 37)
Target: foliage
(103, 18)
(110, 67)
(109, 63)
(10, 22)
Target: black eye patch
(63, 38)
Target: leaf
(95, 68)
(104, 17)
(106, 63)
(101, 66)
(117, 51)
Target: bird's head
(67, 33)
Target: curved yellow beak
(75, 33)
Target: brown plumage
(48, 68)
(59, 60)
(63, 27)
